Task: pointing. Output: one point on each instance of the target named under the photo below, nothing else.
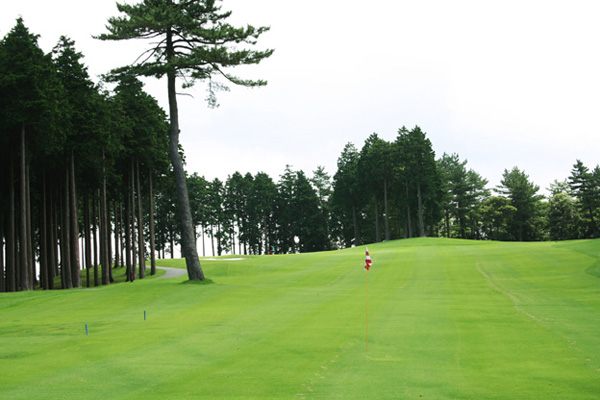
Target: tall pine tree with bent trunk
(190, 40)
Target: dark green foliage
(348, 197)
(496, 214)
(286, 214)
(236, 200)
(262, 203)
(145, 124)
(29, 91)
(404, 171)
(322, 184)
(262, 216)
(302, 220)
(192, 39)
(464, 192)
(311, 223)
(585, 186)
(523, 196)
(377, 172)
(562, 217)
(421, 178)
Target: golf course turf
(447, 319)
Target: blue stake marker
(144, 315)
(86, 330)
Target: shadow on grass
(119, 275)
(206, 281)
(594, 270)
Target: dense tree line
(249, 214)
(389, 190)
(400, 188)
(81, 168)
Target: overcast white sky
(501, 83)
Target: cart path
(171, 272)
(177, 272)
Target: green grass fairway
(448, 319)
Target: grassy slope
(447, 319)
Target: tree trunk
(109, 243)
(120, 233)
(95, 223)
(101, 243)
(420, 211)
(133, 271)
(408, 216)
(239, 239)
(233, 237)
(75, 260)
(116, 223)
(212, 240)
(172, 242)
(2, 255)
(151, 213)
(221, 237)
(203, 242)
(24, 239)
(44, 273)
(356, 232)
(53, 243)
(188, 242)
(104, 257)
(87, 238)
(65, 239)
(127, 225)
(140, 222)
(377, 229)
(30, 237)
(385, 206)
(11, 281)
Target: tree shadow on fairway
(206, 281)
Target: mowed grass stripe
(530, 352)
(447, 319)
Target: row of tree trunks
(55, 231)
(17, 266)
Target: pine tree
(464, 192)
(190, 39)
(376, 171)
(515, 185)
(347, 195)
(310, 225)
(585, 186)
(421, 176)
(321, 180)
